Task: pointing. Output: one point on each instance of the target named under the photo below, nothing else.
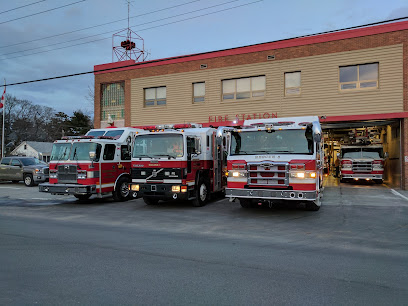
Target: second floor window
(243, 88)
(292, 83)
(359, 76)
(199, 92)
(113, 101)
(155, 96)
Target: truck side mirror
(92, 155)
(386, 155)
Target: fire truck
(178, 162)
(362, 156)
(95, 164)
(362, 162)
(273, 160)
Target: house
(40, 150)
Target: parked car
(28, 169)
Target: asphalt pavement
(56, 250)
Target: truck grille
(362, 166)
(268, 174)
(46, 171)
(67, 174)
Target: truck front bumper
(158, 191)
(63, 189)
(40, 177)
(362, 176)
(265, 194)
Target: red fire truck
(95, 164)
(181, 161)
(276, 159)
(362, 162)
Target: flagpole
(4, 115)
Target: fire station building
(355, 80)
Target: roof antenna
(127, 49)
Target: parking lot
(353, 250)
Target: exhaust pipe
(175, 196)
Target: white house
(40, 150)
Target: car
(28, 169)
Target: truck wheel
(150, 201)
(121, 192)
(245, 203)
(82, 197)
(28, 180)
(202, 193)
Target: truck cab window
(109, 152)
(125, 152)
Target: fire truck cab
(276, 159)
(95, 164)
(179, 162)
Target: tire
(82, 197)
(28, 180)
(150, 201)
(15, 181)
(312, 206)
(246, 203)
(202, 193)
(121, 192)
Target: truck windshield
(60, 151)
(362, 153)
(80, 151)
(275, 142)
(158, 145)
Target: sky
(72, 36)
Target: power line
(132, 26)
(56, 8)
(191, 55)
(99, 25)
(16, 8)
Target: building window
(199, 92)
(292, 83)
(113, 101)
(359, 76)
(243, 88)
(155, 96)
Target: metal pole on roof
(4, 115)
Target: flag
(2, 99)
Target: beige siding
(320, 94)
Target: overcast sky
(225, 24)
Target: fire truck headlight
(313, 174)
(183, 188)
(135, 187)
(300, 175)
(81, 175)
(235, 174)
(175, 188)
(53, 174)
